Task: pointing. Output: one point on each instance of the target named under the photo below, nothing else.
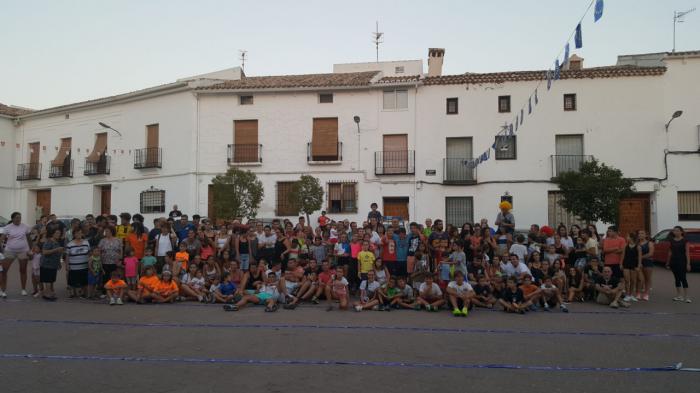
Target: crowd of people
(371, 265)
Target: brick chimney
(575, 63)
(435, 57)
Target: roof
(399, 79)
(520, 76)
(12, 110)
(681, 54)
(350, 79)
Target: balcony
(29, 171)
(324, 154)
(244, 154)
(100, 167)
(455, 171)
(568, 163)
(400, 162)
(149, 157)
(64, 169)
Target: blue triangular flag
(578, 38)
(549, 79)
(537, 101)
(522, 116)
(566, 54)
(529, 105)
(493, 146)
(557, 69)
(599, 5)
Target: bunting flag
(510, 130)
(578, 38)
(485, 156)
(549, 79)
(566, 54)
(557, 69)
(537, 101)
(516, 123)
(493, 146)
(529, 105)
(599, 5)
(522, 115)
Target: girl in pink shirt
(131, 268)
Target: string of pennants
(57, 148)
(552, 75)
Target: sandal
(268, 309)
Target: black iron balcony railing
(61, 170)
(149, 157)
(29, 171)
(326, 155)
(99, 167)
(244, 154)
(456, 171)
(401, 162)
(568, 163)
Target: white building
(406, 153)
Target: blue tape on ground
(346, 327)
(311, 362)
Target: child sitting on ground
(512, 298)
(531, 292)
(337, 290)
(115, 288)
(483, 293)
(429, 295)
(226, 291)
(369, 290)
(406, 298)
(267, 294)
(460, 293)
(551, 296)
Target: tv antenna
(378, 38)
(678, 18)
(242, 52)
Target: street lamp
(357, 121)
(676, 114)
(103, 125)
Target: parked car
(661, 246)
(3, 221)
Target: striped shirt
(78, 252)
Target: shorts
(340, 294)
(401, 269)
(629, 266)
(10, 256)
(291, 287)
(94, 279)
(47, 275)
(245, 261)
(443, 285)
(264, 297)
(647, 263)
(604, 299)
(391, 266)
(131, 280)
(78, 278)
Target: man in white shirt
(515, 268)
(460, 293)
(429, 295)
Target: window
(325, 98)
(284, 207)
(688, 205)
(324, 140)
(399, 70)
(396, 99)
(557, 215)
(503, 104)
(452, 106)
(459, 210)
(569, 102)
(246, 100)
(506, 147)
(342, 197)
(153, 201)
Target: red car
(661, 246)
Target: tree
(306, 195)
(594, 192)
(237, 194)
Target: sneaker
(36, 294)
(428, 308)
(358, 308)
(634, 298)
(230, 307)
(627, 298)
(416, 307)
(546, 306)
(433, 309)
(625, 304)
(678, 299)
(112, 302)
(3, 295)
(314, 300)
(103, 296)
(375, 308)
(200, 298)
(614, 305)
(23, 293)
(639, 295)
(645, 297)
(687, 300)
(456, 312)
(465, 311)
(120, 302)
(563, 308)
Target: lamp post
(356, 119)
(103, 125)
(675, 115)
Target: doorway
(396, 207)
(43, 203)
(634, 214)
(106, 199)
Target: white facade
(621, 120)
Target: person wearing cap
(124, 228)
(505, 218)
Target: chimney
(435, 56)
(575, 63)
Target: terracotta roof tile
(12, 111)
(681, 54)
(519, 76)
(296, 81)
(399, 79)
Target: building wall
(7, 162)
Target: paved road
(80, 345)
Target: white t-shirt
(197, 283)
(267, 241)
(461, 289)
(592, 243)
(16, 237)
(370, 287)
(510, 270)
(434, 291)
(164, 245)
(339, 249)
(519, 250)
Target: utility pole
(678, 18)
(377, 39)
(242, 58)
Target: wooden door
(106, 199)
(34, 160)
(324, 141)
(152, 136)
(396, 207)
(245, 141)
(395, 153)
(634, 214)
(43, 202)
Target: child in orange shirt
(182, 258)
(166, 290)
(115, 289)
(531, 292)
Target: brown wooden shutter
(100, 148)
(34, 152)
(152, 136)
(63, 152)
(395, 153)
(245, 141)
(324, 142)
(334, 194)
(349, 196)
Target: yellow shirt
(366, 259)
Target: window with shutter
(342, 197)
(688, 205)
(503, 104)
(324, 142)
(245, 141)
(284, 208)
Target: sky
(56, 52)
